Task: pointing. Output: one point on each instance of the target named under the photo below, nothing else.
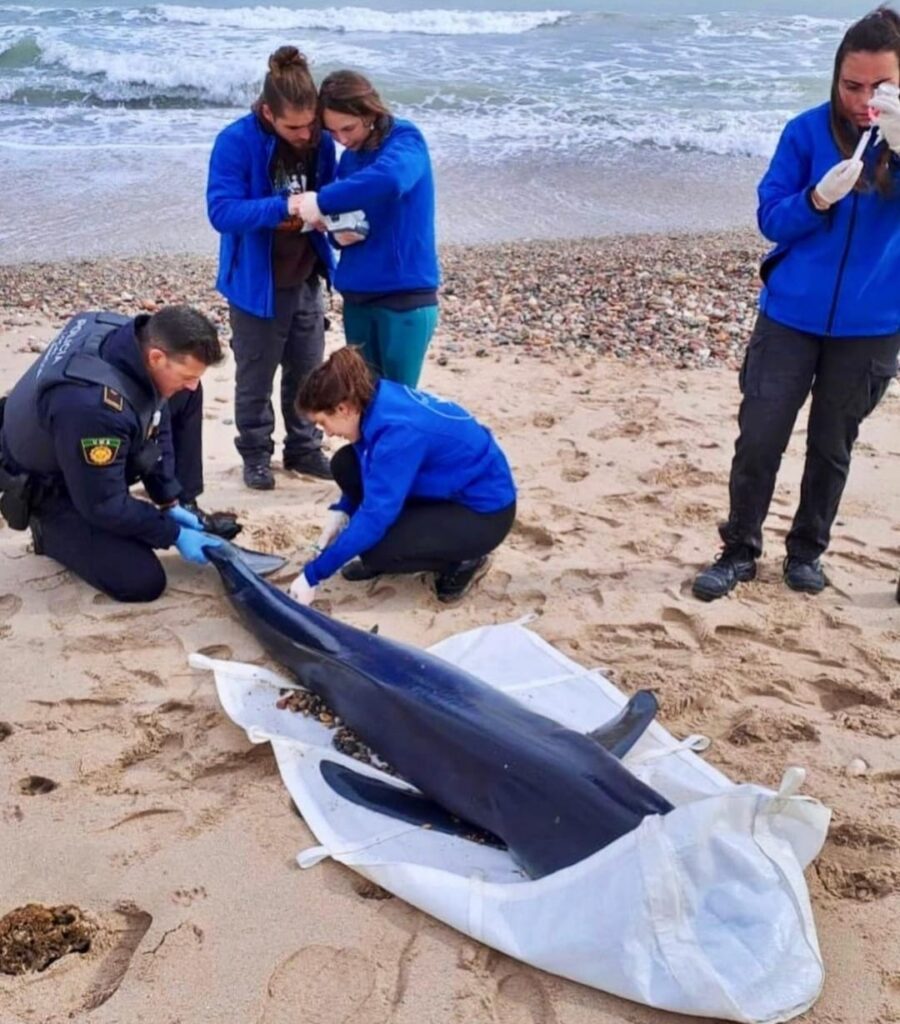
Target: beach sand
(176, 837)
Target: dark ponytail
(288, 82)
(343, 377)
(876, 32)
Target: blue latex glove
(184, 518)
(190, 544)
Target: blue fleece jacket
(395, 187)
(244, 209)
(834, 273)
(415, 445)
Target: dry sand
(177, 839)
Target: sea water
(543, 121)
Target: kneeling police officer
(88, 420)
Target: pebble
(856, 767)
(677, 300)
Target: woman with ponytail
(829, 311)
(424, 486)
(270, 263)
(388, 271)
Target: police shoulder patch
(113, 399)
(100, 451)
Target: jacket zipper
(840, 276)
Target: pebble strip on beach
(678, 300)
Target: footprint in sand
(575, 464)
(755, 726)
(36, 785)
(222, 651)
(534, 533)
(523, 999)
(834, 696)
(128, 928)
(9, 606)
(318, 985)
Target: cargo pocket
(872, 387)
(749, 373)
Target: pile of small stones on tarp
(345, 739)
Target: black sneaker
(805, 576)
(357, 572)
(219, 524)
(314, 463)
(452, 584)
(733, 566)
(258, 475)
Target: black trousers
(124, 568)
(186, 412)
(293, 339)
(848, 378)
(428, 536)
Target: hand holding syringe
(884, 109)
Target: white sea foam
(365, 19)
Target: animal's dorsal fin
(404, 804)
(620, 734)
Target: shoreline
(92, 207)
(680, 299)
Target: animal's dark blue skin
(551, 794)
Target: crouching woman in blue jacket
(388, 271)
(829, 311)
(424, 486)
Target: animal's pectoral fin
(261, 562)
(402, 804)
(620, 734)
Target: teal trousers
(392, 343)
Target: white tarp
(703, 911)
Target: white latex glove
(335, 522)
(839, 181)
(301, 591)
(308, 208)
(885, 107)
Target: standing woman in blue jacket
(424, 486)
(388, 272)
(829, 311)
(270, 268)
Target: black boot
(314, 463)
(258, 476)
(733, 566)
(454, 583)
(805, 576)
(357, 572)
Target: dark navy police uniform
(86, 422)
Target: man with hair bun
(270, 264)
